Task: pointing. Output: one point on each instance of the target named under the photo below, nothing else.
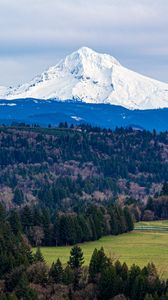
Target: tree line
(43, 227)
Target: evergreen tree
(18, 198)
(56, 272)
(128, 219)
(26, 219)
(109, 283)
(56, 230)
(93, 266)
(38, 257)
(85, 228)
(15, 222)
(134, 272)
(13, 249)
(68, 275)
(113, 223)
(98, 262)
(139, 288)
(23, 291)
(47, 227)
(37, 216)
(76, 259)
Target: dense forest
(64, 186)
(26, 276)
(45, 229)
(60, 167)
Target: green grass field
(139, 247)
(153, 225)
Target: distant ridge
(43, 112)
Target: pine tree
(67, 230)
(139, 287)
(68, 275)
(133, 273)
(108, 284)
(128, 219)
(56, 229)
(15, 222)
(37, 216)
(23, 291)
(18, 198)
(93, 266)
(85, 228)
(118, 267)
(26, 219)
(113, 223)
(47, 227)
(38, 257)
(56, 272)
(76, 259)
(98, 262)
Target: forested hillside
(65, 186)
(59, 168)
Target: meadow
(139, 247)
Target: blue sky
(35, 34)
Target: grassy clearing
(159, 224)
(139, 247)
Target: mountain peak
(85, 50)
(87, 55)
(87, 63)
(93, 77)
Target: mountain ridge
(92, 77)
(45, 112)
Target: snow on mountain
(3, 90)
(93, 78)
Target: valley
(137, 247)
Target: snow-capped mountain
(93, 78)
